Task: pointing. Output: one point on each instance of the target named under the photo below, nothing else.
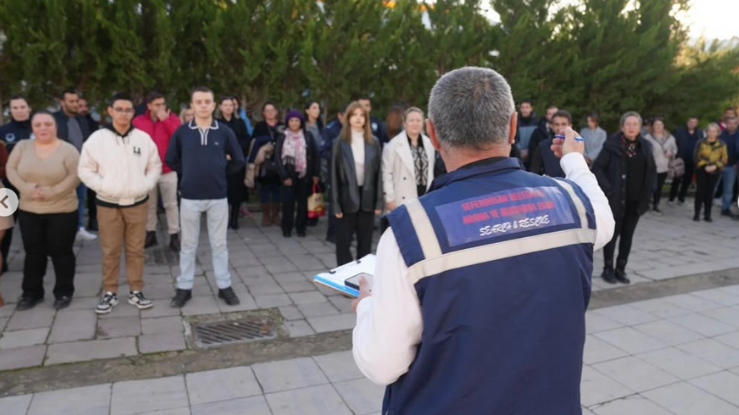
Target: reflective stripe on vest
(435, 262)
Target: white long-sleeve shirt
(389, 323)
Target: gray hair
(471, 108)
(631, 114)
(715, 126)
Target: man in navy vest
(478, 302)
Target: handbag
(676, 169)
(316, 208)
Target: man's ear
(514, 127)
(431, 130)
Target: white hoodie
(121, 169)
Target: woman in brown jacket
(710, 158)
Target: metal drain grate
(229, 332)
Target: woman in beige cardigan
(44, 170)
(407, 162)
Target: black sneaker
(621, 277)
(229, 296)
(136, 298)
(708, 219)
(180, 298)
(657, 212)
(107, 303)
(27, 303)
(62, 302)
(726, 212)
(608, 276)
(174, 242)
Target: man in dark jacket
(543, 131)
(379, 129)
(84, 111)
(73, 128)
(686, 136)
(19, 128)
(527, 124)
(730, 136)
(544, 161)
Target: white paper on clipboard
(335, 278)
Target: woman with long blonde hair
(356, 183)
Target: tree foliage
(608, 56)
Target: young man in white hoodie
(121, 164)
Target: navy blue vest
(502, 261)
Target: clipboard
(336, 278)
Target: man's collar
(111, 128)
(213, 124)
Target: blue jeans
(728, 177)
(216, 212)
(270, 193)
(81, 194)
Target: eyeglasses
(123, 110)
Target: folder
(336, 278)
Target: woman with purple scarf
(297, 163)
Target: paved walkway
(270, 271)
(674, 355)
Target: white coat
(399, 172)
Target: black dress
(237, 191)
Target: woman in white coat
(407, 162)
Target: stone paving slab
(269, 271)
(670, 378)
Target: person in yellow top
(710, 157)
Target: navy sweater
(200, 158)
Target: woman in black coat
(269, 184)
(237, 191)
(356, 184)
(296, 155)
(627, 174)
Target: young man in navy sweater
(204, 151)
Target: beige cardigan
(56, 176)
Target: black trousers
(706, 183)
(680, 185)
(48, 235)
(661, 177)
(297, 194)
(624, 230)
(361, 223)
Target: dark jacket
(610, 170)
(15, 131)
(311, 154)
(379, 130)
(686, 142)
(732, 145)
(544, 161)
(236, 189)
(539, 135)
(61, 126)
(200, 158)
(344, 189)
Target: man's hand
(163, 114)
(339, 216)
(288, 182)
(711, 168)
(364, 292)
(569, 145)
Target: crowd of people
(142, 158)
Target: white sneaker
(107, 303)
(84, 235)
(137, 298)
